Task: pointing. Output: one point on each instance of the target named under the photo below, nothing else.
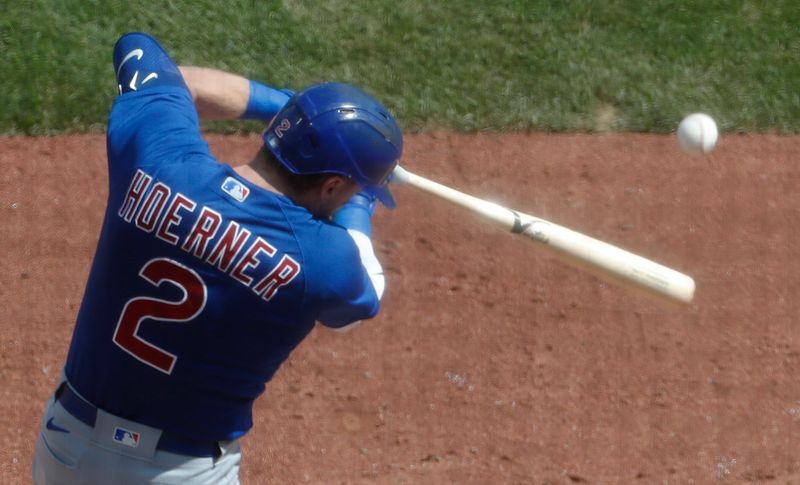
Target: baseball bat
(600, 258)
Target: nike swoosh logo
(133, 81)
(137, 53)
(152, 75)
(52, 426)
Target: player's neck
(259, 173)
(263, 174)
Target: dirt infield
(490, 361)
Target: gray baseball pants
(70, 452)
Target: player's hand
(363, 200)
(356, 213)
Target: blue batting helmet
(339, 129)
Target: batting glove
(356, 213)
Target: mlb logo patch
(126, 437)
(235, 189)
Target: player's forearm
(218, 95)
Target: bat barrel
(575, 248)
(607, 260)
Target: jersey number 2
(157, 271)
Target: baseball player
(205, 276)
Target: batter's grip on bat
(356, 213)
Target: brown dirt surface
(490, 362)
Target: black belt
(87, 413)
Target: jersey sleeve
(153, 120)
(341, 285)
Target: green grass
(591, 65)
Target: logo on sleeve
(126, 437)
(235, 189)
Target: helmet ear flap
(308, 147)
(312, 140)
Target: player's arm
(153, 119)
(220, 95)
(372, 267)
(349, 293)
(355, 216)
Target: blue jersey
(202, 282)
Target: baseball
(698, 133)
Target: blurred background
(524, 65)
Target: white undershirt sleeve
(371, 265)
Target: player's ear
(332, 186)
(333, 192)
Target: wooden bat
(577, 249)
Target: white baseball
(698, 133)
